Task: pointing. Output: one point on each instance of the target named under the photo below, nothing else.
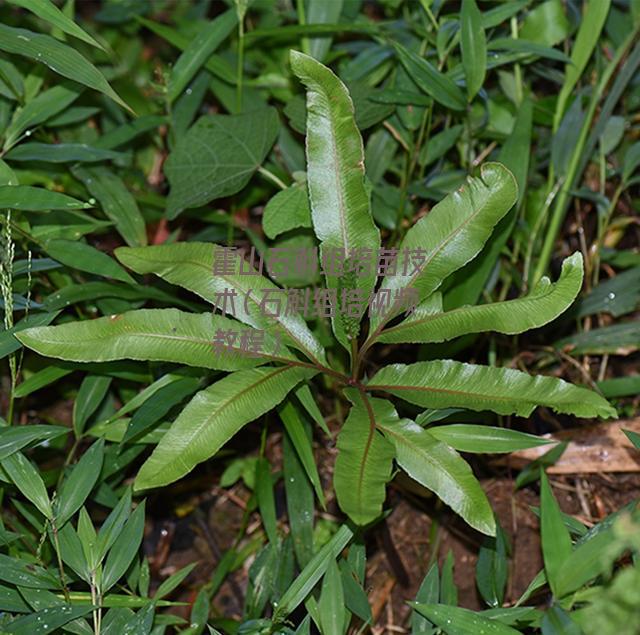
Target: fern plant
(292, 358)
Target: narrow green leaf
(309, 576)
(22, 573)
(556, 541)
(212, 417)
(36, 199)
(447, 383)
(13, 438)
(340, 206)
(299, 494)
(124, 548)
(295, 426)
(333, 614)
(60, 153)
(47, 620)
(593, 19)
(48, 11)
(428, 593)
(28, 480)
(431, 81)
(60, 58)
(492, 568)
(473, 44)
(40, 109)
(90, 395)
(84, 257)
(198, 51)
(112, 526)
(266, 499)
(116, 201)
(428, 323)
(440, 469)
(454, 620)
(78, 485)
(364, 461)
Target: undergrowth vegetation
(312, 261)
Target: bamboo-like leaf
(453, 233)
(473, 45)
(28, 480)
(193, 266)
(117, 203)
(364, 461)
(340, 206)
(60, 153)
(167, 335)
(36, 199)
(59, 57)
(213, 416)
(428, 323)
(199, 50)
(48, 11)
(439, 468)
(14, 438)
(447, 383)
(556, 540)
(454, 620)
(430, 80)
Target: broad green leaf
(454, 620)
(28, 480)
(473, 45)
(71, 551)
(364, 461)
(40, 109)
(213, 416)
(430, 80)
(217, 157)
(47, 620)
(556, 541)
(198, 52)
(546, 23)
(60, 153)
(198, 267)
(309, 576)
(36, 199)
(479, 439)
(167, 335)
(452, 234)
(84, 257)
(48, 11)
(13, 438)
(448, 383)
(59, 57)
(439, 468)
(78, 485)
(8, 340)
(124, 548)
(288, 209)
(340, 206)
(618, 339)
(428, 323)
(116, 201)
